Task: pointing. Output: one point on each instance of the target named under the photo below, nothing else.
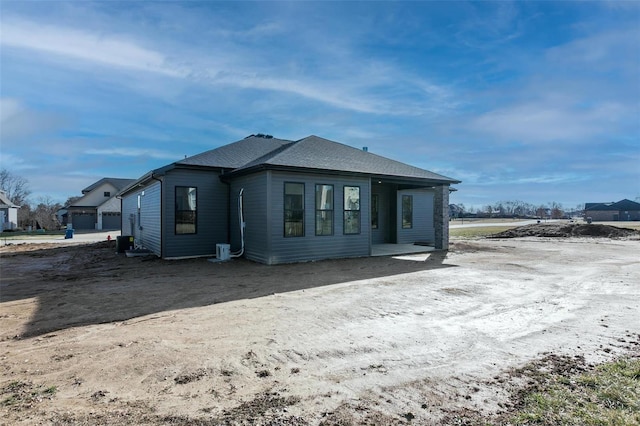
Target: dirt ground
(91, 337)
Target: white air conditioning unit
(223, 251)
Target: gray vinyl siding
(145, 228)
(423, 226)
(148, 230)
(255, 201)
(310, 246)
(212, 213)
(129, 203)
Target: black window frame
(285, 210)
(107, 193)
(178, 213)
(349, 212)
(410, 211)
(321, 211)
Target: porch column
(441, 216)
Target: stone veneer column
(441, 216)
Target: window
(351, 210)
(294, 209)
(324, 209)
(107, 194)
(407, 211)
(374, 211)
(186, 210)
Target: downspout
(161, 214)
(242, 224)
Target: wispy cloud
(107, 49)
(133, 152)
(545, 122)
(353, 88)
(18, 121)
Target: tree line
(517, 209)
(38, 213)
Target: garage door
(110, 220)
(84, 220)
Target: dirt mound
(568, 230)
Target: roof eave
(262, 167)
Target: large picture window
(293, 209)
(407, 211)
(351, 210)
(324, 209)
(186, 209)
(375, 200)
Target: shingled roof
(622, 205)
(312, 153)
(5, 202)
(118, 183)
(236, 154)
(317, 153)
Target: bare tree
(556, 210)
(71, 200)
(15, 187)
(45, 213)
(489, 210)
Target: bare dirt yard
(91, 337)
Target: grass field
(608, 395)
(26, 235)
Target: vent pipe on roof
(365, 148)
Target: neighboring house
(301, 200)
(8, 213)
(98, 208)
(623, 210)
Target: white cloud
(546, 122)
(9, 108)
(604, 50)
(14, 162)
(100, 48)
(134, 152)
(370, 87)
(18, 121)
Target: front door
(383, 214)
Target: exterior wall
(212, 213)
(110, 206)
(310, 246)
(144, 224)
(8, 218)
(601, 215)
(129, 213)
(423, 224)
(441, 217)
(256, 215)
(96, 197)
(612, 215)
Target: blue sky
(531, 101)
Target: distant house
(98, 208)
(8, 213)
(623, 210)
(300, 200)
